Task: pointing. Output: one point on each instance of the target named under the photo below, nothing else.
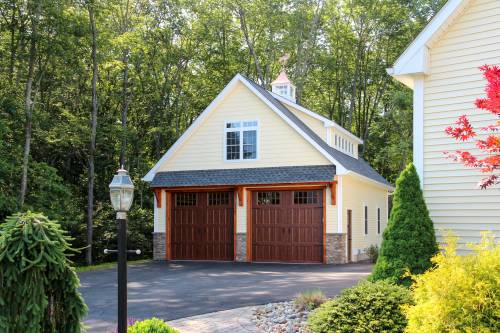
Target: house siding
(356, 194)
(278, 143)
(315, 124)
(450, 89)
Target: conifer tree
(39, 288)
(409, 241)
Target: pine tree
(39, 288)
(409, 241)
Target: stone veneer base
(336, 249)
(241, 247)
(159, 246)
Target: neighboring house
(442, 67)
(259, 178)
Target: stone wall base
(159, 246)
(336, 248)
(241, 247)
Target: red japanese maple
(490, 146)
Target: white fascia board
(339, 167)
(415, 59)
(372, 181)
(326, 122)
(150, 175)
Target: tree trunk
(93, 125)
(28, 104)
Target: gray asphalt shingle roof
(359, 165)
(273, 175)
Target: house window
(366, 220)
(241, 140)
(185, 199)
(305, 197)
(378, 220)
(218, 198)
(282, 90)
(268, 198)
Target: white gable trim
(149, 176)
(326, 122)
(238, 78)
(415, 59)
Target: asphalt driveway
(175, 290)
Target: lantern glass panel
(115, 195)
(127, 197)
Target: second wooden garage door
(202, 226)
(287, 226)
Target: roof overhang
(415, 60)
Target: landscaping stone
(283, 317)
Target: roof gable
(343, 163)
(415, 58)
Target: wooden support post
(239, 189)
(333, 189)
(157, 192)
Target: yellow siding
(331, 214)
(450, 89)
(356, 194)
(160, 215)
(279, 144)
(315, 124)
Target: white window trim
(241, 129)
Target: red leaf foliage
(464, 131)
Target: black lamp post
(121, 191)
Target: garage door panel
(287, 226)
(202, 226)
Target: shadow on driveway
(181, 289)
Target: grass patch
(108, 265)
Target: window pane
(218, 198)
(233, 145)
(249, 145)
(305, 197)
(268, 198)
(233, 125)
(250, 123)
(185, 199)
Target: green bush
(153, 325)
(409, 241)
(39, 288)
(462, 294)
(372, 252)
(310, 299)
(367, 307)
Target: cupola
(283, 86)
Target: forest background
(86, 86)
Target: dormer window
(283, 86)
(240, 140)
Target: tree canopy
(85, 85)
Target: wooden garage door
(287, 226)
(202, 226)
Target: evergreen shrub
(367, 307)
(38, 286)
(409, 241)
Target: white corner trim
(340, 202)
(418, 127)
(328, 136)
(326, 122)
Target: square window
(305, 197)
(185, 199)
(218, 198)
(268, 198)
(241, 144)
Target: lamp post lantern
(121, 191)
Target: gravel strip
(282, 317)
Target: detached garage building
(259, 178)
